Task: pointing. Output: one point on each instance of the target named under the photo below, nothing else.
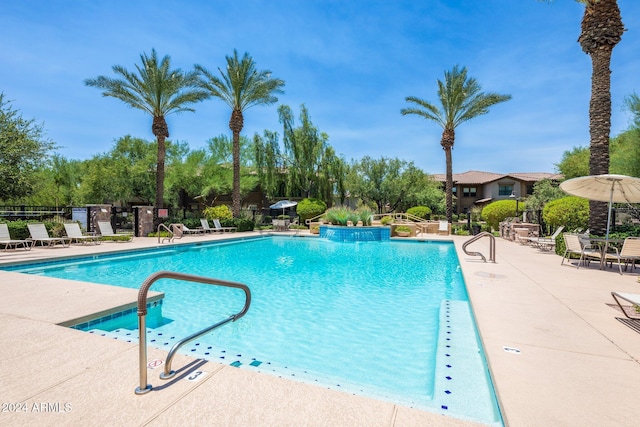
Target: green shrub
(310, 208)
(386, 220)
(163, 233)
(364, 215)
(572, 212)
(338, 215)
(220, 212)
(403, 229)
(242, 224)
(496, 212)
(423, 212)
(18, 229)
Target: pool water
(389, 320)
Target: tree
(544, 191)
(207, 172)
(306, 164)
(574, 163)
(157, 90)
(241, 86)
(462, 100)
(121, 175)
(625, 153)
(389, 184)
(633, 104)
(601, 31)
(23, 150)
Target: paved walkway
(569, 361)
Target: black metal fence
(39, 213)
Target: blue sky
(351, 62)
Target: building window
(529, 189)
(505, 190)
(469, 192)
(454, 190)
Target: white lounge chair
(545, 243)
(8, 242)
(634, 299)
(207, 228)
(187, 230)
(40, 234)
(443, 228)
(75, 234)
(217, 226)
(107, 231)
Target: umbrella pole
(613, 183)
(606, 237)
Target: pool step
(198, 349)
(118, 334)
(461, 383)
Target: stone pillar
(97, 213)
(143, 220)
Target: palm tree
(601, 31)
(461, 100)
(240, 86)
(157, 90)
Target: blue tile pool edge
(85, 323)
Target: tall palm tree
(157, 90)
(601, 31)
(240, 86)
(461, 99)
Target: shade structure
(605, 188)
(283, 204)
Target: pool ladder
(142, 324)
(175, 232)
(492, 246)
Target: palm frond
(241, 85)
(154, 87)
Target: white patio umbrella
(605, 188)
(283, 204)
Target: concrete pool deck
(575, 364)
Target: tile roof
(480, 177)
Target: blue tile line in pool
(95, 323)
(354, 234)
(455, 387)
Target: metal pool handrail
(142, 314)
(492, 246)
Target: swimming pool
(389, 320)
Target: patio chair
(573, 245)
(634, 299)
(107, 231)
(628, 254)
(217, 226)
(546, 243)
(206, 228)
(8, 242)
(75, 234)
(443, 228)
(40, 234)
(187, 230)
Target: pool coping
(556, 316)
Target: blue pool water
(389, 319)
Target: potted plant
(403, 231)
